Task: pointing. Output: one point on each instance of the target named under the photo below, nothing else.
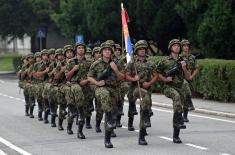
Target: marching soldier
(193, 69)
(105, 91)
(85, 105)
(24, 76)
(141, 70)
(96, 53)
(38, 59)
(98, 107)
(53, 105)
(122, 86)
(173, 87)
(57, 94)
(42, 76)
(69, 54)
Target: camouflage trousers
(133, 94)
(98, 106)
(89, 95)
(145, 103)
(39, 91)
(108, 97)
(61, 100)
(188, 94)
(178, 95)
(29, 97)
(122, 91)
(53, 98)
(45, 96)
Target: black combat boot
(46, 113)
(178, 121)
(80, 133)
(145, 132)
(113, 134)
(185, 116)
(120, 109)
(176, 138)
(27, 110)
(130, 124)
(60, 124)
(190, 104)
(142, 140)
(40, 116)
(88, 123)
(146, 116)
(53, 117)
(97, 126)
(107, 138)
(150, 112)
(118, 121)
(31, 111)
(69, 129)
(132, 109)
(109, 120)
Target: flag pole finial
(122, 6)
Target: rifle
(108, 71)
(176, 69)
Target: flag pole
(133, 60)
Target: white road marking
(166, 138)
(199, 116)
(12, 146)
(2, 153)
(196, 146)
(224, 154)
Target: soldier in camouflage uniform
(48, 91)
(57, 95)
(96, 53)
(41, 74)
(174, 85)
(89, 90)
(98, 107)
(85, 97)
(88, 54)
(193, 69)
(37, 56)
(122, 86)
(105, 91)
(142, 70)
(70, 62)
(25, 76)
(37, 83)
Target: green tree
(15, 18)
(216, 32)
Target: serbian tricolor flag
(128, 45)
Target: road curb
(197, 110)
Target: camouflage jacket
(61, 79)
(191, 62)
(144, 69)
(167, 63)
(97, 68)
(41, 67)
(81, 73)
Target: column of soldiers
(69, 79)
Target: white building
(21, 46)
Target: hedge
(216, 79)
(9, 62)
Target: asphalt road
(209, 135)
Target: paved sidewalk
(202, 106)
